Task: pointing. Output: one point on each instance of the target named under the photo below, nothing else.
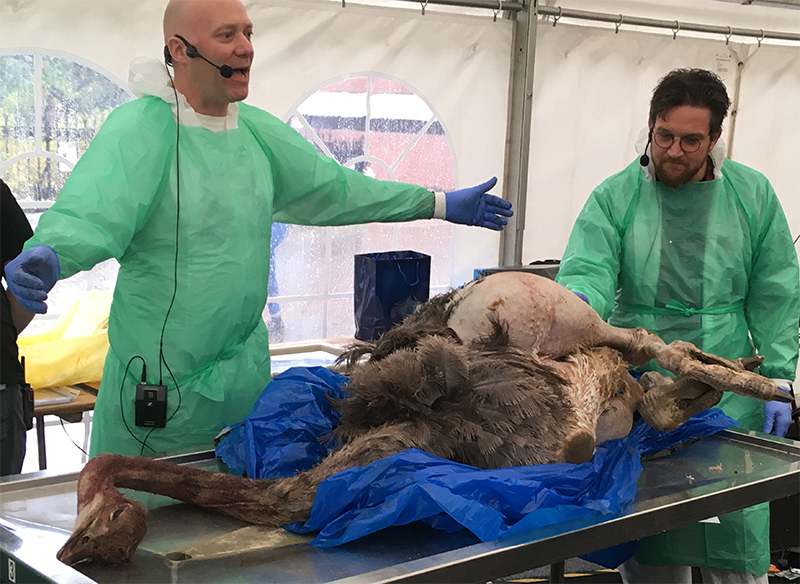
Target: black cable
(121, 409)
(161, 358)
(70, 437)
(177, 226)
(796, 238)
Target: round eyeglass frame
(657, 140)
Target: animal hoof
(668, 403)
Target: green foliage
(76, 100)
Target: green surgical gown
(711, 263)
(121, 201)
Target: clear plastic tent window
(41, 142)
(384, 129)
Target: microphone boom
(191, 51)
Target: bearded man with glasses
(696, 247)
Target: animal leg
(703, 376)
(637, 345)
(687, 361)
(290, 499)
(668, 403)
(110, 527)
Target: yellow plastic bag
(75, 347)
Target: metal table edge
(516, 558)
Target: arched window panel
(298, 319)
(398, 118)
(384, 129)
(51, 107)
(17, 111)
(345, 242)
(340, 321)
(430, 162)
(37, 180)
(429, 237)
(303, 247)
(301, 125)
(76, 101)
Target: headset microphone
(644, 160)
(225, 70)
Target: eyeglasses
(688, 144)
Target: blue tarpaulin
(284, 435)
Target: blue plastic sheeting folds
(283, 433)
(289, 423)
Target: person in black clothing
(15, 418)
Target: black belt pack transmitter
(151, 405)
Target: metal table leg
(557, 573)
(40, 442)
(87, 429)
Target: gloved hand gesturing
(778, 415)
(31, 275)
(474, 206)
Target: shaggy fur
(486, 404)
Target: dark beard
(681, 179)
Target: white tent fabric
(592, 89)
(591, 86)
(458, 63)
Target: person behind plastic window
(240, 169)
(694, 246)
(15, 417)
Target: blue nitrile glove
(582, 296)
(778, 415)
(474, 206)
(31, 275)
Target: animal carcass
(512, 369)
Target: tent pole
(518, 131)
(524, 16)
(740, 62)
(667, 24)
(516, 6)
(727, 31)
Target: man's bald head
(219, 31)
(184, 16)
(175, 17)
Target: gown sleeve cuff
(784, 384)
(439, 205)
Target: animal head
(616, 420)
(108, 530)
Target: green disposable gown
(121, 201)
(711, 263)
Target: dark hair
(695, 87)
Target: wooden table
(69, 412)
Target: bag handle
(416, 276)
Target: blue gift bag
(388, 286)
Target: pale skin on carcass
(564, 324)
(512, 370)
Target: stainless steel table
(718, 474)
